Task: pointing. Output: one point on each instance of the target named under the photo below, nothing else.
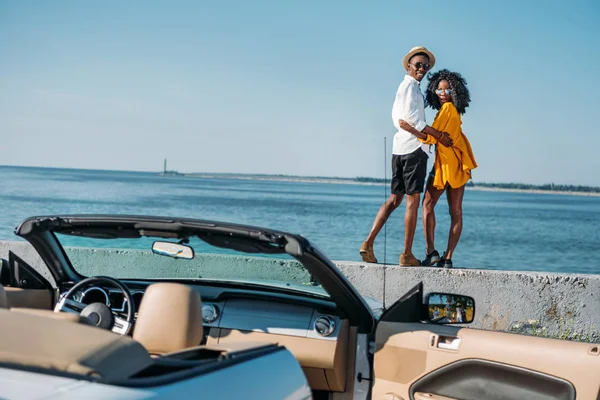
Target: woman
(447, 92)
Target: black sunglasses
(421, 65)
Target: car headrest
(3, 298)
(169, 318)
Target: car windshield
(124, 258)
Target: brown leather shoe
(408, 260)
(366, 252)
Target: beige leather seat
(32, 341)
(169, 318)
(5, 304)
(169, 325)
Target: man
(459, 313)
(409, 160)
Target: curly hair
(458, 86)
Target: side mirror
(174, 250)
(447, 308)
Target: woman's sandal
(444, 263)
(431, 259)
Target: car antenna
(384, 225)
(384, 197)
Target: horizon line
(354, 178)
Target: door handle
(445, 342)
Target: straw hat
(415, 50)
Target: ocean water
(512, 231)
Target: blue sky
(293, 87)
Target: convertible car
(135, 307)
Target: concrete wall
(28, 254)
(563, 306)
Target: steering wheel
(98, 314)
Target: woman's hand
(445, 139)
(407, 127)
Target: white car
(136, 307)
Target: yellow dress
(452, 165)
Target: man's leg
(410, 221)
(383, 214)
(414, 166)
(386, 209)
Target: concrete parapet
(565, 306)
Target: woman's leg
(455, 200)
(432, 195)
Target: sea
(544, 232)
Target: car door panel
(29, 298)
(487, 380)
(24, 286)
(415, 360)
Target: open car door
(24, 286)
(422, 356)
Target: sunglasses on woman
(440, 91)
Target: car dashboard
(308, 327)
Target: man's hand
(446, 140)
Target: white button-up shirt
(409, 106)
